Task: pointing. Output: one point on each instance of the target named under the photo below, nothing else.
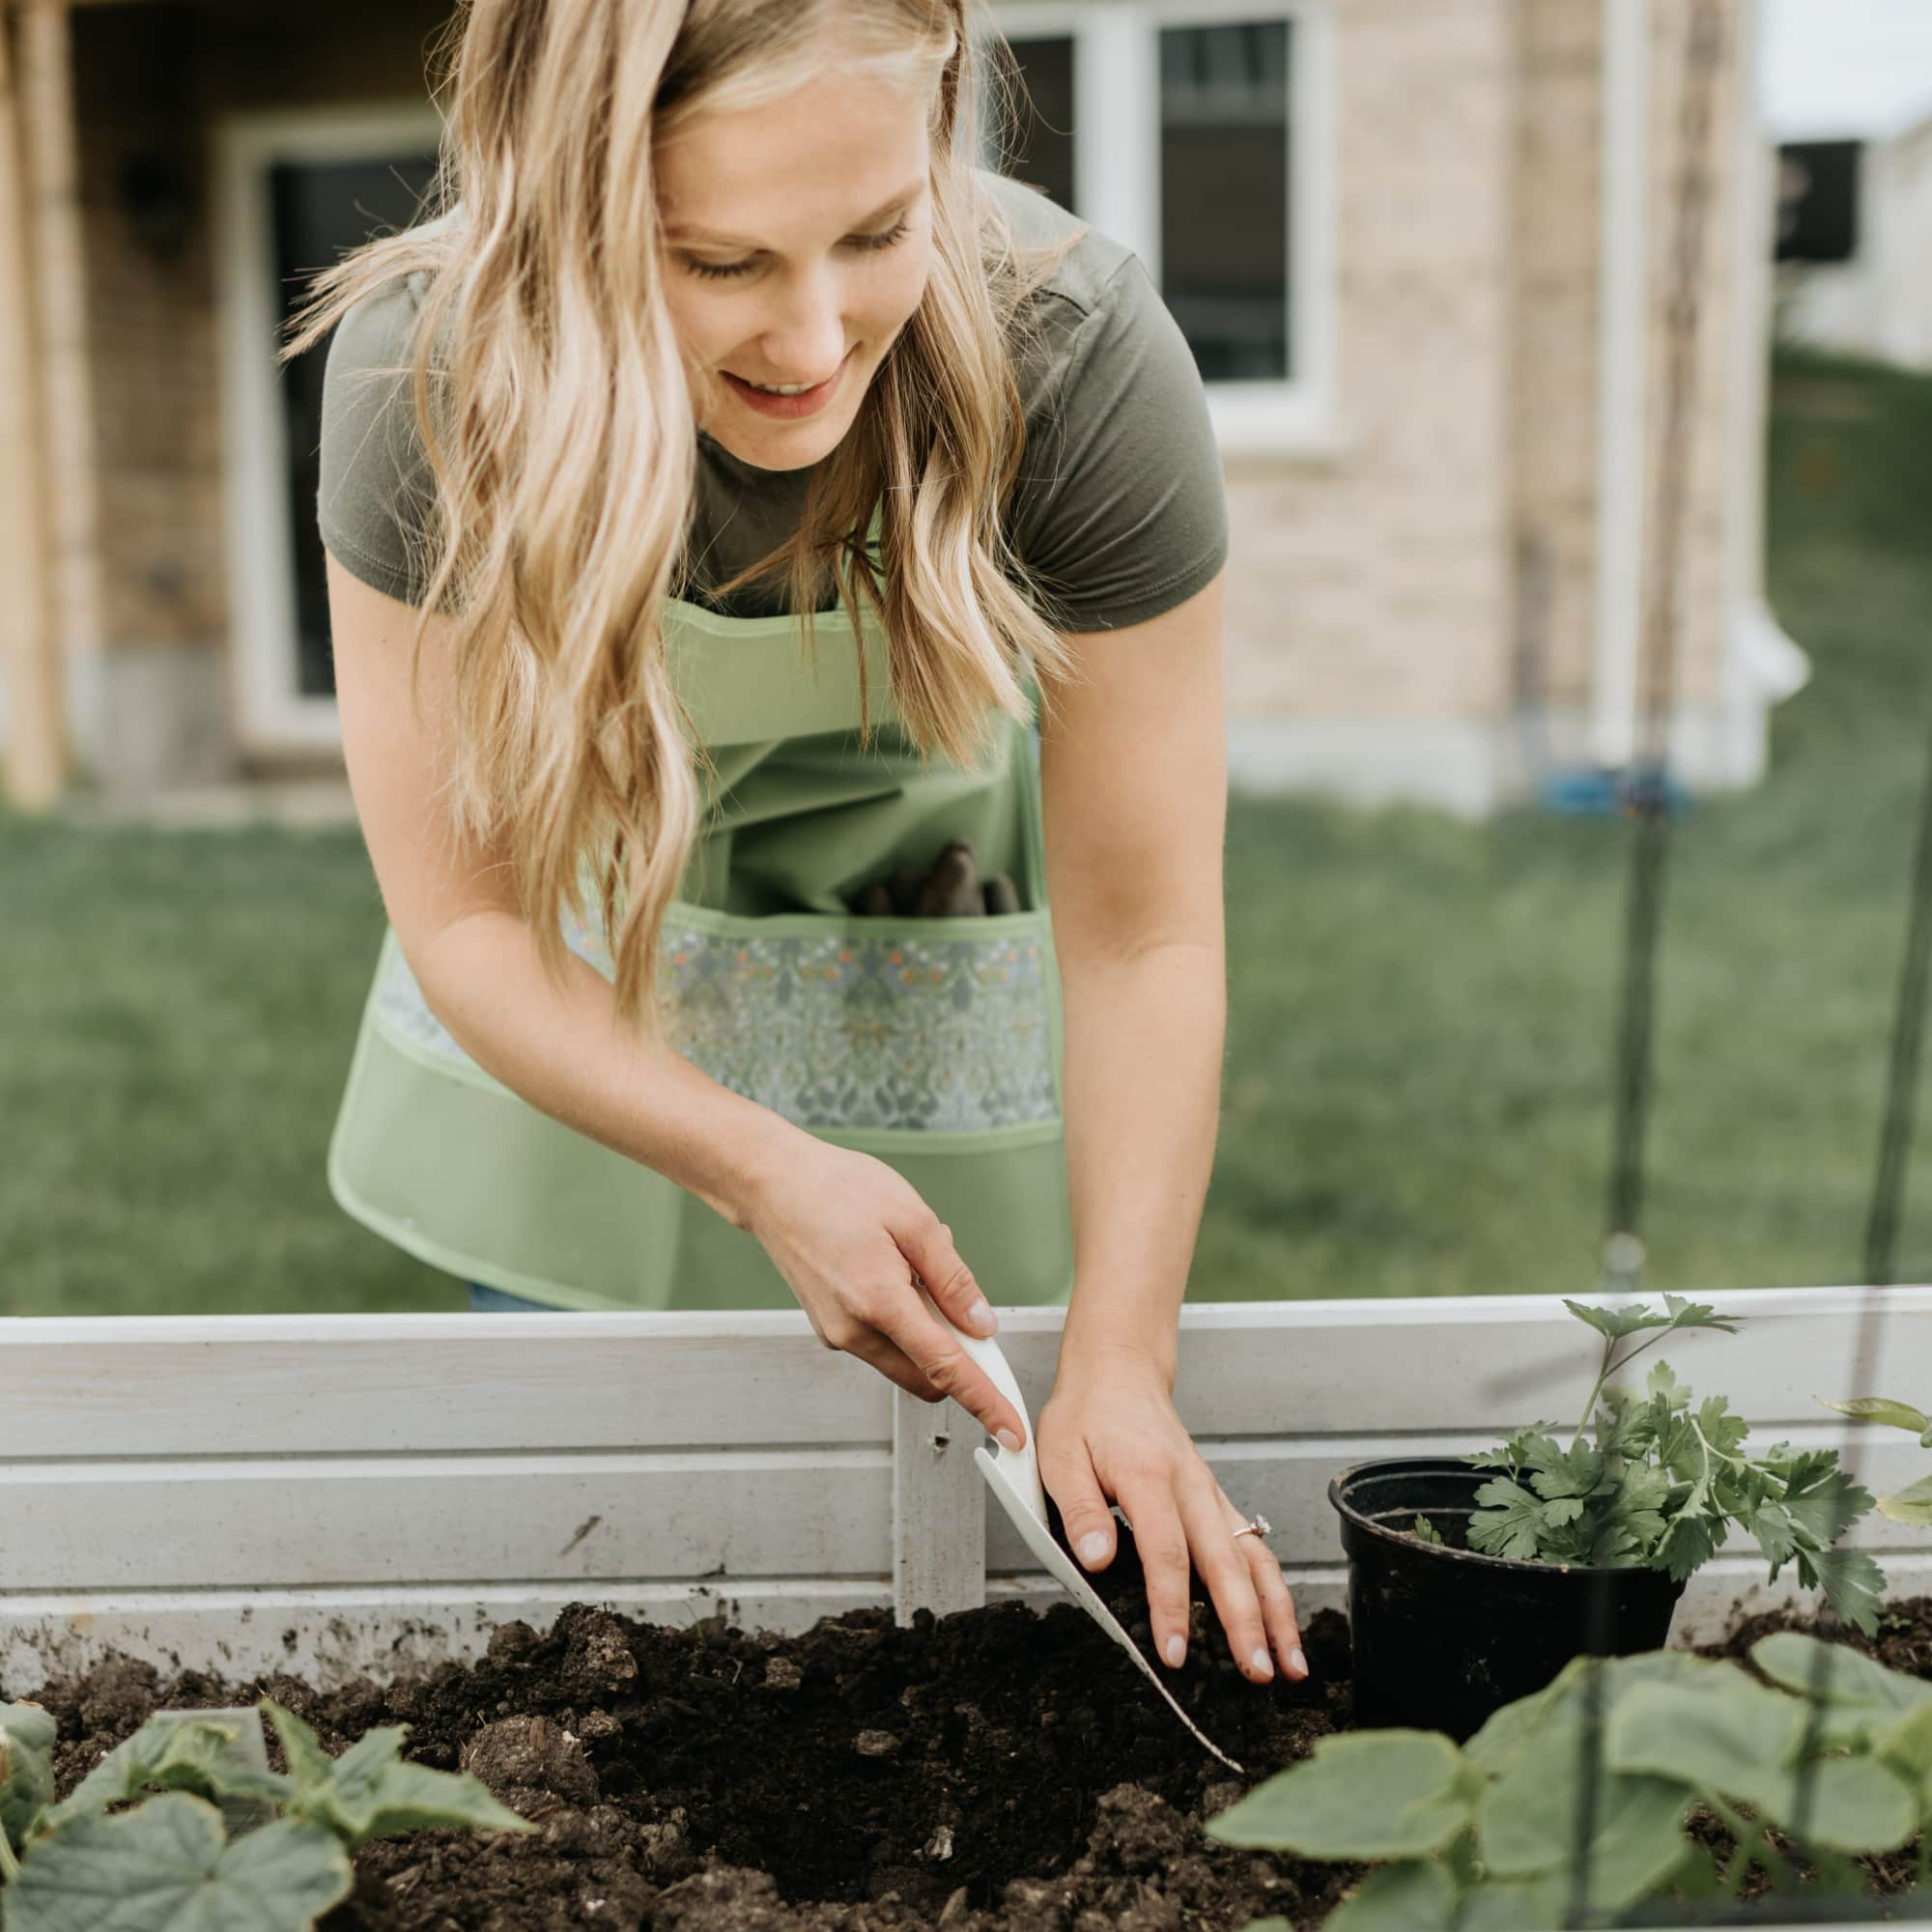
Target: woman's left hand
(1110, 1433)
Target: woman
(726, 327)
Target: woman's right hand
(848, 1233)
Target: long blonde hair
(552, 403)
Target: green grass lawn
(1422, 1011)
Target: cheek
(891, 303)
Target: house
(1855, 240)
(1421, 252)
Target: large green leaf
(1911, 1504)
(180, 1752)
(166, 1866)
(1410, 1897)
(1367, 1795)
(1532, 1905)
(1738, 1740)
(1839, 1674)
(26, 1767)
(1526, 1822)
(1876, 1409)
(369, 1792)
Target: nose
(804, 339)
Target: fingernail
(1296, 1663)
(1092, 1548)
(1176, 1649)
(981, 1318)
(1006, 1440)
(1261, 1664)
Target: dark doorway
(320, 210)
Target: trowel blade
(1041, 1540)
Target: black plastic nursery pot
(1442, 1634)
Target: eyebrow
(901, 200)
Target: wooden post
(29, 636)
(939, 1510)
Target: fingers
(933, 1348)
(1227, 1572)
(1283, 1626)
(1084, 1514)
(1162, 1543)
(927, 1242)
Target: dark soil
(997, 1769)
(993, 1770)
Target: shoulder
(1092, 315)
(1119, 509)
(1084, 277)
(376, 488)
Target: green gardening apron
(931, 1043)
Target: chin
(780, 447)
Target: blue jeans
(494, 1301)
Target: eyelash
(869, 244)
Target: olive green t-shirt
(1118, 511)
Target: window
(1195, 132)
(294, 189)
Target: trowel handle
(1022, 1468)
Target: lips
(786, 409)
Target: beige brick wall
(1444, 558)
(150, 336)
(154, 80)
(1376, 581)
(1706, 531)
(1554, 397)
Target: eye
(895, 232)
(718, 271)
(867, 243)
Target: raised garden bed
(289, 1505)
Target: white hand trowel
(1014, 1477)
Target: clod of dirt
(531, 1759)
(122, 1688)
(1135, 1833)
(782, 1674)
(599, 1660)
(875, 1744)
(510, 1642)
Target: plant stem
(1596, 1389)
(1753, 1845)
(10, 1865)
(1608, 1369)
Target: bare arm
(562, 1049)
(1133, 771)
(844, 1231)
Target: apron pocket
(846, 1026)
(854, 1026)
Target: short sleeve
(1119, 510)
(377, 496)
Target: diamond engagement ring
(1256, 1525)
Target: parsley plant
(1666, 1480)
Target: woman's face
(799, 237)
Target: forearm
(561, 1049)
(1142, 1076)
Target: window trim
(272, 715)
(1116, 181)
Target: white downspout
(1761, 664)
(1621, 377)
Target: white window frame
(1117, 181)
(272, 715)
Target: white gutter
(1621, 377)
(1761, 664)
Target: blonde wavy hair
(554, 406)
